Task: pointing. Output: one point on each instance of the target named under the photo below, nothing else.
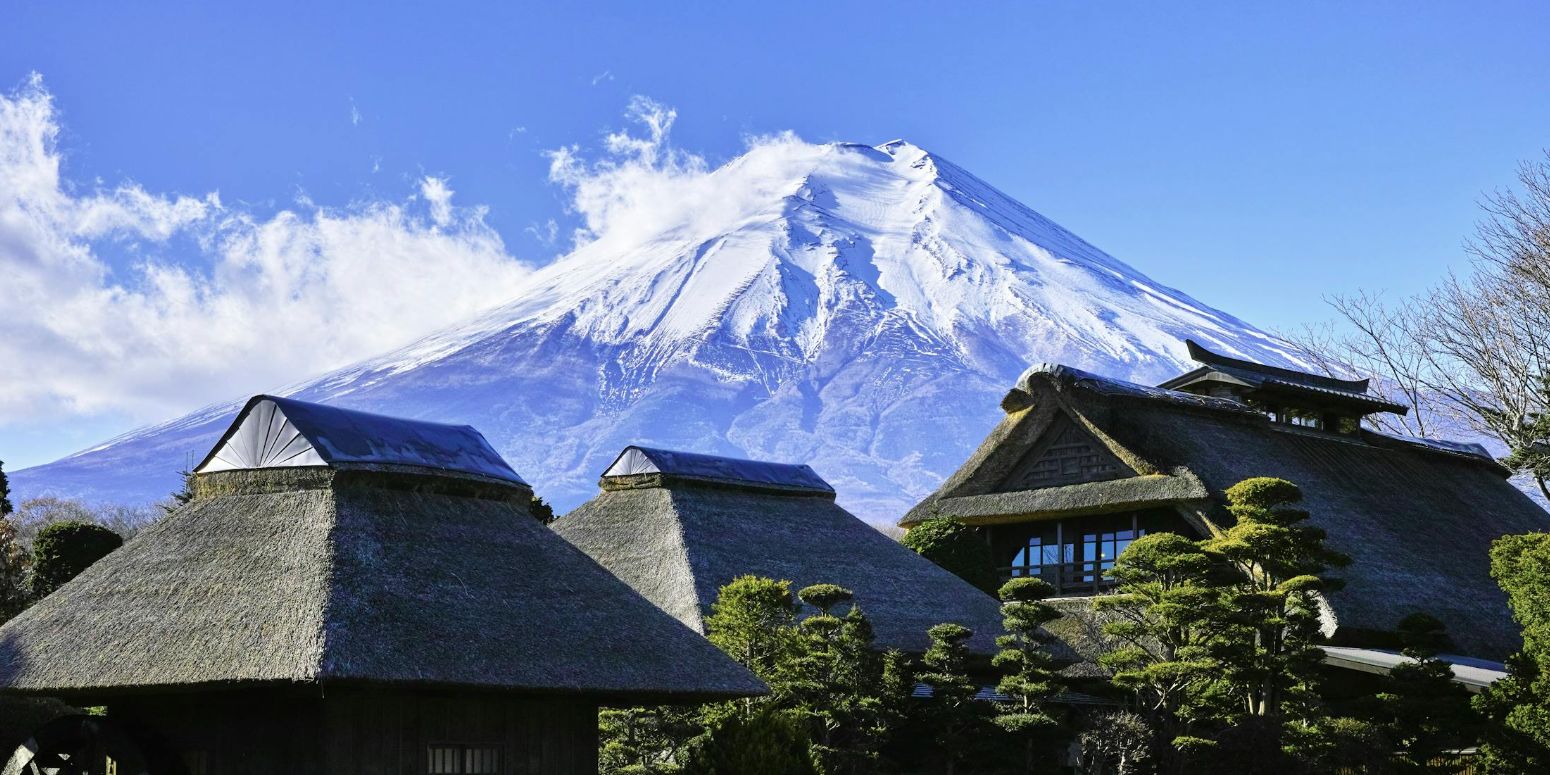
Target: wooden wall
(382, 733)
(368, 732)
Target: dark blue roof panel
(692, 465)
(272, 432)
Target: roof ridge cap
(681, 549)
(1210, 358)
(321, 664)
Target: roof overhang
(1473, 674)
(1114, 495)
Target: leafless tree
(1475, 347)
(34, 514)
(1381, 342)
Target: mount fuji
(858, 308)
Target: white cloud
(216, 301)
(640, 186)
(606, 75)
(439, 196)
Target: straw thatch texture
(356, 578)
(1135, 492)
(1417, 519)
(677, 544)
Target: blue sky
(1257, 156)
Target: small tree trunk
(1543, 489)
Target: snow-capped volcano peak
(770, 246)
(856, 307)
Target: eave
(1115, 495)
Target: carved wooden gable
(1066, 454)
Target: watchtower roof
(1324, 389)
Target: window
(461, 759)
(1039, 558)
(1072, 554)
(1099, 550)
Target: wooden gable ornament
(1064, 454)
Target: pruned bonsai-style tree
(1281, 562)
(1029, 679)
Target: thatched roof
(1418, 518)
(274, 432)
(679, 540)
(357, 575)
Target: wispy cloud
(606, 75)
(639, 185)
(218, 300)
(355, 113)
(546, 233)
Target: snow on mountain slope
(858, 308)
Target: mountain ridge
(860, 308)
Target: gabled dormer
(1284, 395)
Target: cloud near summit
(642, 186)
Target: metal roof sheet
(646, 460)
(275, 432)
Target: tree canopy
(63, 549)
(5, 492)
(956, 547)
(1517, 708)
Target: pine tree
(541, 510)
(753, 620)
(1165, 616)
(184, 494)
(838, 680)
(5, 493)
(645, 741)
(955, 718)
(1029, 679)
(1517, 708)
(14, 564)
(1424, 711)
(765, 742)
(1280, 562)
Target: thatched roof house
(1082, 464)
(677, 526)
(371, 591)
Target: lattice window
(463, 759)
(1069, 456)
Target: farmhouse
(350, 593)
(1081, 465)
(677, 526)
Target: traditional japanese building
(350, 593)
(677, 526)
(1081, 465)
